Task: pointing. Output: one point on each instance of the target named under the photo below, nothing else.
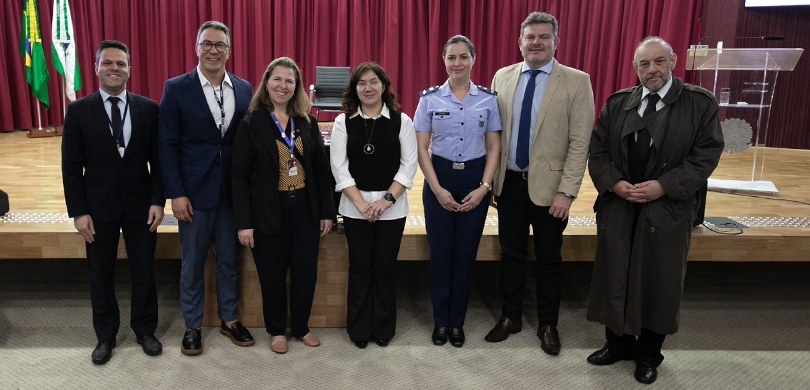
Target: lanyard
(118, 131)
(221, 103)
(290, 141)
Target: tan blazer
(558, 156)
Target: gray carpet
(743, 326)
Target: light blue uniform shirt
(541, 80)
(458, 127)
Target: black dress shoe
(361, 343)
(549, 339)
(151, 346)
(439, 335)
(645, 373)
(502, 330)
(237, 333)
(192, 342)
(103, 352)
(606, 356)
(382, 342)
(457, 337)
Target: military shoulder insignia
(428, 91)
(487, 90)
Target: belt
(291, 191)
(518, 174)
(470, 164)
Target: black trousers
(371, 310)
(644, 348)
(295, 249)
(516, 213)
(101, 259)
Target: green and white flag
(63, 48)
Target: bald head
(650, 41)
(654, 61)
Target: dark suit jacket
(196, 158)
(97, 180)
(255, 173)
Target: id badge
(292, 167)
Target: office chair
(327, 92)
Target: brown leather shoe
(549, 339)
(502, 330)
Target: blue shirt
(541, 80)
(458, 128)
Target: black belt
(518, 174)
(470, 164)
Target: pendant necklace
(368, 148)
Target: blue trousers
(209, 228)
(453, 240)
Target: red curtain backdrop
(404, 36)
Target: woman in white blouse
(374, 158)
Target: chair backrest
(330, 81)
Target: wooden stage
(778, 225)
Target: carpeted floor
(743, 326)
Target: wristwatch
(390, 197)
(486, 185)
(567, 195)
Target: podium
(744, 81)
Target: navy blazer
(256, 173)
(96, 179)
(196, 159)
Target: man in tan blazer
(540, 171)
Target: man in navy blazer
(199, 114)
(111, 178)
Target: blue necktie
(524, 130)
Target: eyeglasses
(208, 45)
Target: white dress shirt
(122, 105)
(211, 97)
(344, 179)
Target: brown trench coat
(638, 273)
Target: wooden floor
(779, 226)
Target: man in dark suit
(547, 115)
(112, 183)
(199, 114)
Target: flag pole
(39, 116)
(64, 93)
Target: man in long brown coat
(653, 148)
